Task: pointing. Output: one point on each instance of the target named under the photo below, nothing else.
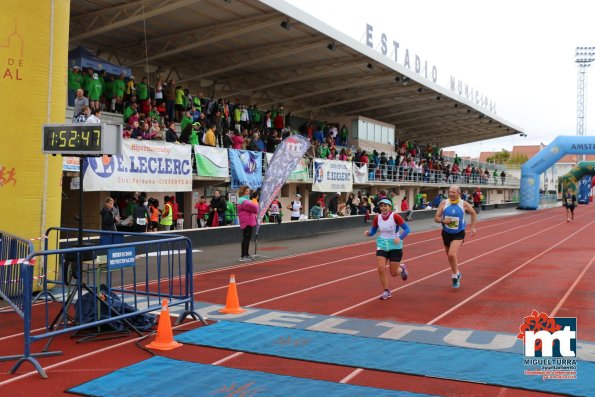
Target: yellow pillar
(33, 83)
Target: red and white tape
(38, 238)
(9, 262)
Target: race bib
(451, 222)
(141, 221)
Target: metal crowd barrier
(13, 251)
(108, 284)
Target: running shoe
(385, 295)
(404, 273)
(456, 282)
(245, 259)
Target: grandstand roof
(268, 53)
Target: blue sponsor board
(120, 258)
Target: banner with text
(246, 168)
(332, 176)
(211, 161)
(144, 166)
(360, 174)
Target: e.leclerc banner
(287, 155)
(332, 176)
(145, 166)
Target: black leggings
(246, 236)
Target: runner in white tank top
(389, 244)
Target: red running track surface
(534, 260)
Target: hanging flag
(246, 168)
(287, 155)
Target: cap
(76, 67)
(131, 77)
(95, 76)
(385, 201)
(338, 194)
(196, 124)
(298, 195)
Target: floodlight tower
(583, 57)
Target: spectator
(83, 115)
(217, 208)
(95, 89)
(247, 211)
(166, 215)
(405, 208)
(79, 102)
(295, 207)
(503, 177)
(171, 135)
(316, 211)
(275, 214)
(75, 82)
(202, 212)
(209, 137)
(95, 117)
(333, 205)
(237, 140)
(140, 216)
(477, 199)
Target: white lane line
(355, 257)
(455, 307)
(572, 287)
(448, 268)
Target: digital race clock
(81, 139)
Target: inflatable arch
(538, 164)
(579, 180)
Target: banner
(246, 168)
(144, 166)
(299, 173)
(211, 161)
(285, 159)
(33, 78)
(70, 164)
(332, 176)
(360, 174)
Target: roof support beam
(248, 28)
(136, 18)
(270, 57)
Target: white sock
(456, 275)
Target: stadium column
(33, 84)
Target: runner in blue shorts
(389, 244)
(451, 214)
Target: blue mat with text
(164, 377)
(481, 366)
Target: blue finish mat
(472, 365)
(164, 377)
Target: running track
(533, 260)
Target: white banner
(211, 161)
(360, 174)
(144, 166)
(332, 176)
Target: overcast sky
(518, 53)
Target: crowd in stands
(152, 113)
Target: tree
(505, 157)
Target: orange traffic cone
(232, 303)
(165, 337)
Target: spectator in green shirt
(142, 93)
(95, 89)
(120, 87)
(75, 81)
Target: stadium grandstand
(271, 69)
